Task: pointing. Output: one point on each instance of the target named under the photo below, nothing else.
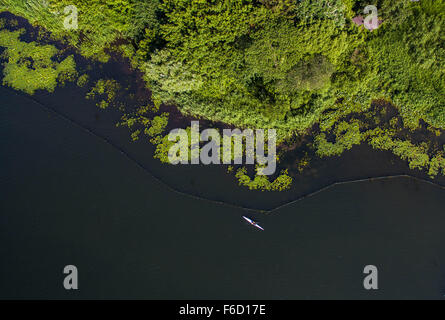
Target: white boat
(253, 223)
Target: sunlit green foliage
(164, 145)
(437, 165)
(268, 63)
(106, 88)
(382, 134)
(346, 136)
(408, 59)
(247, 64)
(283, 63)
(280, 64)
(82, 81)
(157, 127)
(261, 182)
(66, 70)
(144, 120)
(30, 66)
(416, 155)
(100, 23)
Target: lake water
(67, 197)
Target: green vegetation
(282, 182)
(82, 81)
(268, 63)
(283, 64)
(383, 134)
(158, 125)
(100, 23)
(143, 119)
(30, 66)
(347, 135)
(164, 145)
(107, 88)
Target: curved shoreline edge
(200, 198)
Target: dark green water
(66, 197)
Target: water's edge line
(169, 187)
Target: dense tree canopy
(266, 63)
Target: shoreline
(360, 163)
(202, 196)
